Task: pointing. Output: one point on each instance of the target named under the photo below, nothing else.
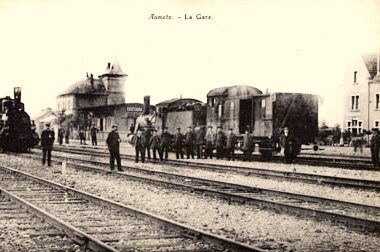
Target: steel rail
(181, 228)
(241, 193)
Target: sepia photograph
(190, 125)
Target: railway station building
(101, 101)
(361, 108)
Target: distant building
(362, 95)
(45, 116)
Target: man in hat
(178, 144)
(140, 142)
(375, 147)
(60, 135)
(93, 132)
(210, 139)
(113, 141)
(199, 141)
(189, 142)
(165, 143)
(290, 145)
(155, 145)
(47, 141)
(220, 142)
(230, 144)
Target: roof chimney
(87, 74)
(92, 81)
(108, 66)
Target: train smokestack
(17, 94)
(146, 104)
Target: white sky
(284, 45)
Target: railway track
(351, 214)
(23, 231)
(313, 159)
(364, 184)
(99, 224)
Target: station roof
(237, 90)
(85, 87)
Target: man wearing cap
(230, 144)
(375, 147)
(165, 143)
(93, 132)
(290, 145)
(47, 141)
(155, 145)
(113, 141)
(140, 142)
(189, 142)
(199, 141)
(220, 142)
(210, 139)
(178, 144)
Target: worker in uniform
(93, 132)
(113, 142)
(199, 141)
(209, 138)
(230, 144)
(155, 145)
(140, 144)
(60, 135)
(247, 145)
(147, 134)
(220, 141)
(189, 142)
(82, 137)
(67, 134)
(47, 141)
(178, 144)
(375, 147)
(290, 145)
(165, 143)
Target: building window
(355, 126)
(377, 124)
(355, 77)
(355, 102)
(377, 101)
(220, 112)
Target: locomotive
(16, 133)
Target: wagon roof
(235, 90)
(177, 102)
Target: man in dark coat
(47, 141)
(290, 144)
(155, 145)
(178, 144)
(375, 147)
(220, 142)
(67, 134)
(60, 135)
(82, 136)
(199, 141)
(209, 139)
(165, 143)
(113, 141)
(247, 145)
(189, 142)
(230, 144)
(140, 144)
(93, 132)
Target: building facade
(361, 108)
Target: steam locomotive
(16, 132)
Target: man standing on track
(220, 140)
(178, 144)
(113, 142)
(230, 144)
(140, 143)
(47, 141)
(93, 132)
(189, 142)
